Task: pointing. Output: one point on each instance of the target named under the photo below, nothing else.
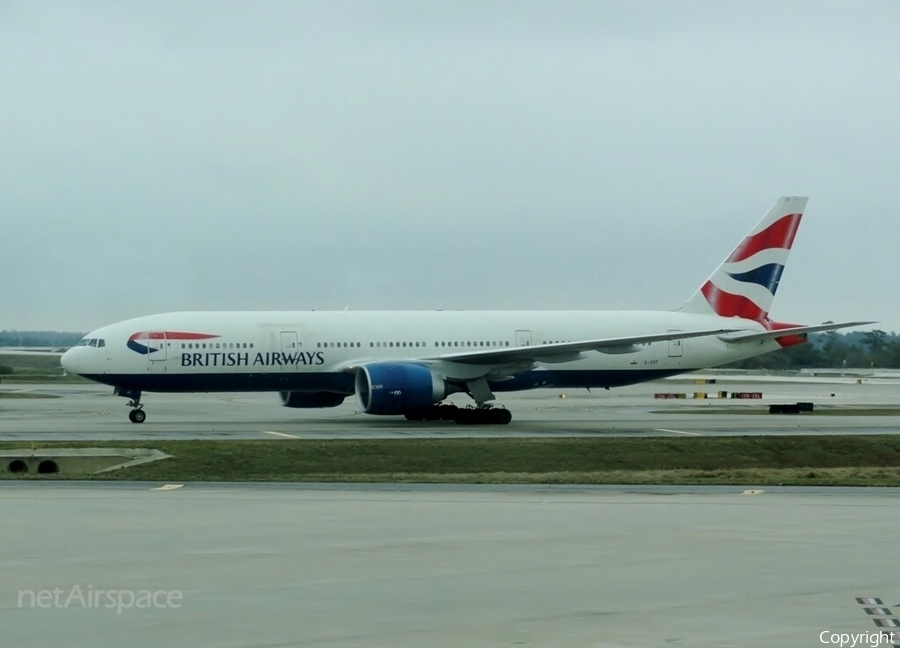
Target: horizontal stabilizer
(794, 330)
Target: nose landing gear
(137, 413)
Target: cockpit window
(93, 342)
(101, 342)
(83, 342)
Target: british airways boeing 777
(408, 362)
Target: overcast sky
(162, 156)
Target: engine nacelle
(310, 399)
(397, 388)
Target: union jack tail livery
(745, 284)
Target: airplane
(408, 362)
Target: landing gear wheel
(482, 416)
(465, 416)
(447, 412)
(500, 416)
(436, 412)
(137, 416)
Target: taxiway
(91, 412)
(333, 565)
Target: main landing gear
(137, 413)
(482, 415)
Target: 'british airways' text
(233, 359)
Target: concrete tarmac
(258, 566)
(91, 412)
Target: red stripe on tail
(779, 234)
(726, 304)
(787, 340)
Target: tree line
(870, 349)
(38, 338)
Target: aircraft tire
(137, 416)
(501, 416)
(447, 412)
(465, 416)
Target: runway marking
(168, 487)
(753, 492)
(282, 434)
(879, 616)
(677, 431)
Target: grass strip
(25, 395)
(831, 459)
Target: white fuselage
(318, 351)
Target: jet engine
(397, 388)
(310, 399)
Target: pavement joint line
(282, 434)
(677, 431)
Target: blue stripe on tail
(766, 276)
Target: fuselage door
(156, 343)
(290, 347)
(676, 347)
(523, 338)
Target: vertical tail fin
(744, 284)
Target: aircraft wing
(794, 330)
(567, 351)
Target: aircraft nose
(69, 360)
